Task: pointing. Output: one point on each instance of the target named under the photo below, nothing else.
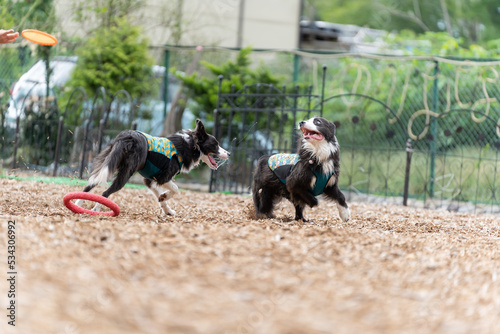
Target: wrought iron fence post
(294, 115)
(213, 174)
(100, 135)
(16, 141)
(84, 149)
(166, 61)
(296, 68)
(229, 172)
(433, 131)
(58, 145)
(409, 153)
(322, 90)
(217, 131)
(230, 122)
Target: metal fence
(44, 139)
(421, 131)
(257, 120)
(40, 133)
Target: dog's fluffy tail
(107, 162)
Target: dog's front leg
(167, 209)
(166, 195)
(171, 192)
(305, 196)
(309, 198)
(299, 188)
(97, 206)
(299, 212)
(335, 194)
(157, 192)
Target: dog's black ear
(334, 128)
(200, 129)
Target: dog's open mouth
(309, 134)
(215, 161)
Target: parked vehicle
(31, 90)
(31, 86)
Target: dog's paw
(344, 214)
(166, 209)
(169, 212)
(264, 215)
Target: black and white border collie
(303, 176)
(157, 159)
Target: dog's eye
(317, 121)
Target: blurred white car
(31, 88)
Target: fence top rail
(266, 110)
(286, 95)
(337, 54)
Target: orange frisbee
(39, 37)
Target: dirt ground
(212, 269)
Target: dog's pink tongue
(316, 136)
(212, 161)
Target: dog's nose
(301, 123)
(228, 153)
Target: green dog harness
(161, 151)
(282, 165)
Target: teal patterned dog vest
(161, 151)
(282, 165)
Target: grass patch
(61, 180)
(463, 174)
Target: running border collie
(300, 177)
(157, 159)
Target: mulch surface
(214, 269)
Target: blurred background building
(226, 23)
(261, 24)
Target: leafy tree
(359, 12)
(7, 19)
(9, 56)
(393, 80)
(104, 13)
(116, 59)
(439, 44)
(472, 21)
(39, 14)
(19, 15)
(95, 15)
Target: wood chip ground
(214, 269)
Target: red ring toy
(91, 197)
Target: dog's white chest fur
(323, 152)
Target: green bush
(116, 59)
